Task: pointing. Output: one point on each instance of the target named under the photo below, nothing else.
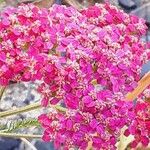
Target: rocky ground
(18, 95)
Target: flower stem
(142, 85)
(20, 110)
(17, 135)
(59, 108)
(32, 147)
(2, 90)
(27, 109)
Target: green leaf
(15, 125)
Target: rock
(145, 69)
(127, 4)
(143, 12)
(44, 146)
(9, 144)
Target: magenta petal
(87, 99)
(100, 129)
(97, 140)
(134, 144)
(5, 22)
(54, 101)
(94, 123)
(42, 117)
(44, 102)
(46, 138)
(145, 141)
(127, 133)
(69, 124)
(2, 56)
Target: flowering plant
(87, 62)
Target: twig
(142, 85)
(28, 143)
(124, 141)
(44, 3)
(89, 147)
(75, 4)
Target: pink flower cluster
(140, 125)
(87, 62)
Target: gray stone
(44, 146)
(143, 12)
(9, 144)
(127, 4)
(146, 68)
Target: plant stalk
(27, 109)
(20, 110)
(31, 146)
(17, 135)
(142, 85)
(2, 90)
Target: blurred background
(21, 94)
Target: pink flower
(92, 11)
(87, 99)
(145, 140)
(2, 57)
(44, 102)
(86, 61)
(46, 138)
(54, 101)
(5, 22)
(69, 124)
(71, 101)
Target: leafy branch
(15, 125)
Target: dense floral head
(86, 61)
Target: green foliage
(18, 124)
(1, 1)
